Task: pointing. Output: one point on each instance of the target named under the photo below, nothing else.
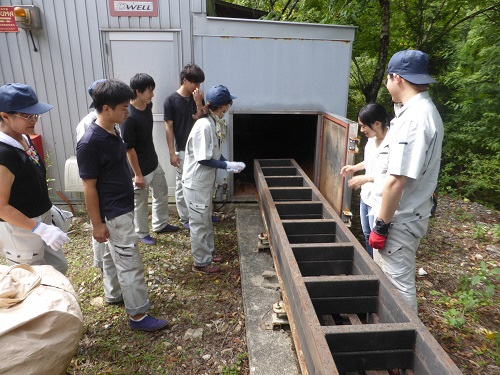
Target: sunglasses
(30, 118)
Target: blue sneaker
(215, 219)
(148, 240)
(148, 323)
(168, 228)
(186, 226)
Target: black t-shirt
(180, 110)
(103, 156)
(137, 133)
(29, 192)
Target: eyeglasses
(30, 118)
(384, 81)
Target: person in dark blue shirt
(109, 198)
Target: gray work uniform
(414, 144)
(198, 186)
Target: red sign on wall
(133, 8)
(7, 20)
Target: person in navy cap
(408, 176)
(26, 231)
(202, 159)
(82, 126)
(92, 115)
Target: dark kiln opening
(272, 136)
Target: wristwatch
(381, 227)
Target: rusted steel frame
(309, 336)
(314, 354)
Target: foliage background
(462, 38)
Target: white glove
(235, 166)
(51, 235)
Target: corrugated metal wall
(69, 59)
(74, 49)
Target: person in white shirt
(373, 122)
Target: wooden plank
(354, 319)
(327, 320)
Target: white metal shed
(276, 68)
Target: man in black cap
(26, 231)
(408, 177)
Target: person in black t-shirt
(137, 133)
(179, 109)
(26, 231)
(109, 199)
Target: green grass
(186, 299)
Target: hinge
(353, 145)
(347, 217)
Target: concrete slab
(270, 351)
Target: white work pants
(180, 202)
(199, 204)
(98, 248)
(159, 189)
(23, 246)
(397, 260)
(123, 268)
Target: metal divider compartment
(344, 313)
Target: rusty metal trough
(345, 315)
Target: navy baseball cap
(219, 95)
(412, 65)
(18, 97)
(91, 89)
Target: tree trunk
(370, 90)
